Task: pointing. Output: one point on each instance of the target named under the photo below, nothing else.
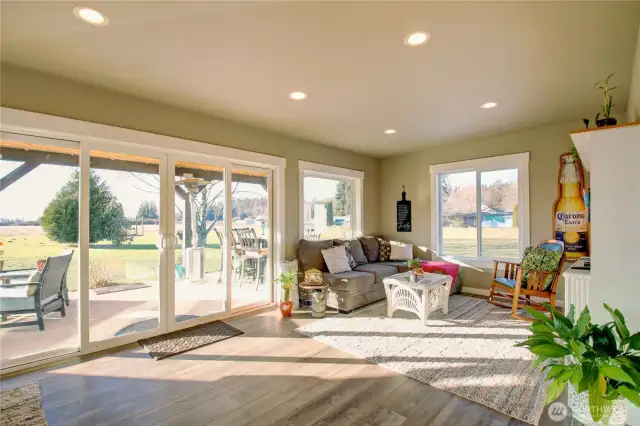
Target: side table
(318, 295)
(418, 295)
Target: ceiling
(538, 60)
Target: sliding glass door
(102, 244)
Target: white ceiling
(538, 60)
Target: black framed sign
(403, 213)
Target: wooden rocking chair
(510, 287)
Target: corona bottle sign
(569, 211)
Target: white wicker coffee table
(420, 295)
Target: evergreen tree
(148, 210)
(342, 199)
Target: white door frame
(30, 126)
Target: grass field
(128, 263)
(496, 242)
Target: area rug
(119, 287)
(177, 342)
(469, 352)
(22, 406)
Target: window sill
(472, 262)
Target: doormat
(177, 342)
(119, 287)
(22, 406)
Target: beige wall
(412, 170)
(33, 91)
(633, 109)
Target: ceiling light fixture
(488, 105)
(417, 38)
(298, 96)
(390, 132)
(91, 16)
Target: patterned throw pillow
(350, 258)
(336, 259)
(385, 250)
(542, 260)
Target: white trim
(514, 161)
(331, 171)
(485, 292)
(35, 124)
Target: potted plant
(286, 280)
(607, 120)
(415, 266)
(600, 363)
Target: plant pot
(604, 122)
(286, 308)
(579, 405)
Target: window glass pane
(38, 245)
(200, 283)
(328, 205)
(458, 195)
(500, 214)
(124, 217)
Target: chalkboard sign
(403, 212)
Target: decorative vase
(418, 272)
(603, 122)
(579, 405)
(286, 308)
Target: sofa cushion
(395, 263)
(336, 259)
(352, 281)
(380, 271)
(355, 248)
(310, 254)
(371, 248)
(385, 250)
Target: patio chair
(43, 296)
(235, 251)
(536, 276)
(252, 254)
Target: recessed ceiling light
(488, 105)
(91, 16)
(417, 38)
(390, 132)
(298, 96)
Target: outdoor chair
(536, 276)
(41, 296)
(235, 253)
(254, 257)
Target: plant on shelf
(286, 280)
(599, 362)
(607, 120)
(414, 265)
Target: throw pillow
(542, 260)
(401, 251)
(385, 249)
(355, 248)
(371, 248)
(310, 254)
(352, 261)
(336, 259)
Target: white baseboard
(485, 292)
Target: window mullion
(479, 213)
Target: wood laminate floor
(269, 375)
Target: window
(330, 202)
(480, 208)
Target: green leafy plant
(608, 98)
(413, 263)
(286, 281)
(603, 360)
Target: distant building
(491, 218)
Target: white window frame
(513, 161)
(354, 177)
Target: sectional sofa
(360, 286)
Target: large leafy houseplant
(603, 360)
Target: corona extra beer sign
(569, 211)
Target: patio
(118, 313)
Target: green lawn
(128, 263)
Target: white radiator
(576, 285)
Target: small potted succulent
(286, 280)
(606, 119)
(415, 266)
(599, 363)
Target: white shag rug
(469, 352)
